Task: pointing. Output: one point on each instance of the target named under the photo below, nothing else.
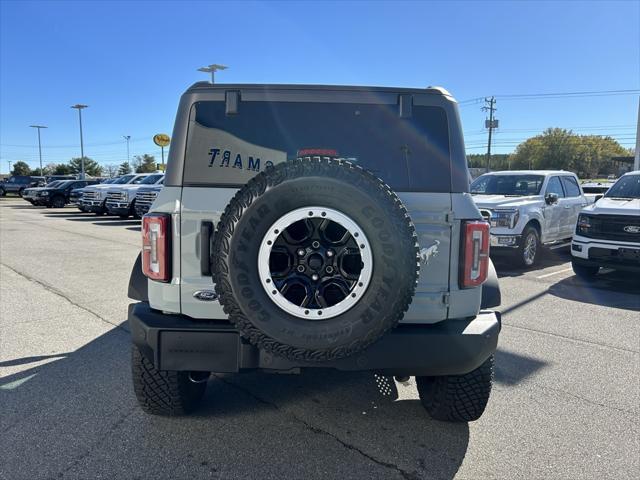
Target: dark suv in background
(58, 195)
(17, 183)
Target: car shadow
(134, 229)
(609, 288)
(505, 265)
(119, 223)
(512, 368)
(77, 417)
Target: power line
(593, 93)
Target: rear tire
(162, 392)
(457, 398)
(2, 192)
(584, 272)
(20, 192)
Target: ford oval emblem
(205, 295)
(632, 229)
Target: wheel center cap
(315, 261)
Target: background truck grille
(612, 227)
(91, 195)
(116, 196)
(146, 198)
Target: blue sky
(130, 61)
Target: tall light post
(39, 127)
(79, 107)
(127, 138)
(212, 69)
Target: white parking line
(554, 273)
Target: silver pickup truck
(121, 199)
(529, 209)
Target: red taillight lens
(156, 253)
(475, 254)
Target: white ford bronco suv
(608, 232)
(528, 209)
(315, 227)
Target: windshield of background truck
(124, 179)
(627, 187)
(509, 185)
(151, 179)
(410, 154)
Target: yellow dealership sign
(161, 139)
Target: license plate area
(629, 253)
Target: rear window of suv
(409, 154)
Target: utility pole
(490, 106)
(212, 69)
(127, 138)
(39, 127)
(79, 107)
(9, 162)
(636, 161)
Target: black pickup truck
(58, 195)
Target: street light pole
(39, 127)
(79, 107)
(212, 69)
(127, 138)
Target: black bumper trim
(615, 264)
(177, 342)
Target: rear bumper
(451, 347)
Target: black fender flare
(491, 296)
(138, 288)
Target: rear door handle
(206, 232)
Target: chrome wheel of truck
(529, 249)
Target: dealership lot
(565, 402)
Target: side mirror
(551, 198)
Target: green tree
(560, 149)
(21, 168)
(145, 163)
(91, 167)
(124, 168)
(61, 169)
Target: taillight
(475, 254)
(156, 252)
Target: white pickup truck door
(572, 204)
(554, 213)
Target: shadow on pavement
(135, 229)
(512, 368)
(608, 289)
(119, 223)
(505, 265)
(76, 417)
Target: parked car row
(120, 196)
(530, 210)
(124, 196)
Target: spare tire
(314, 260)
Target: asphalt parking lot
(565, 403)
